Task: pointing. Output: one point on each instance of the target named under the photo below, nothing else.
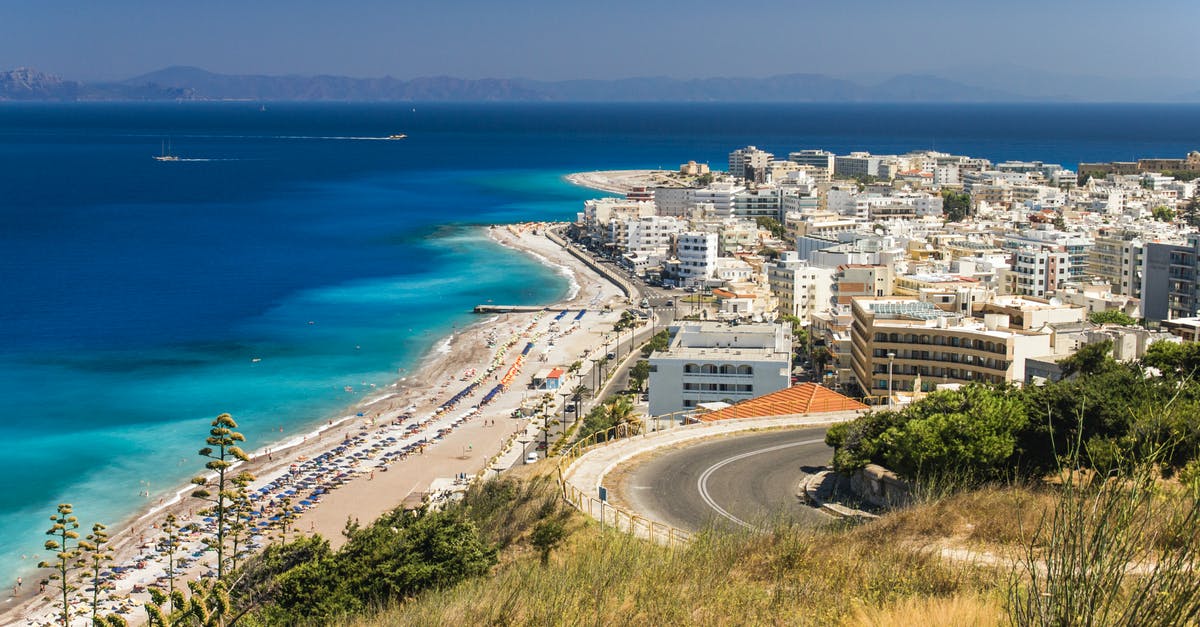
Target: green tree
(956, 205)
(399, 555)
(95, 554)
(659, 342)
(1089, 359)
(65, 546)
(821, 357)
(1111, 316)
(639, 374)
(1191, 212)
(222, 451)
(972, 433)
(1162, 213)
(772, 226)
(546, 536)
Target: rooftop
(806, 398)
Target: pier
(486, 309)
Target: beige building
(900, 343)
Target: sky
(563, 39)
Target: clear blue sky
(557, 39)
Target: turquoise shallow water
(134, 294)
(147, 409)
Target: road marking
(702, 482)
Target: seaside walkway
(484, 309)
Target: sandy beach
(446, 424)
(624, 181)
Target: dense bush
(398, 556)
(1120, 412)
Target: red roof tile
(806, 398)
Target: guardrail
(607, 513)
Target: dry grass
(790, 576)
(989, 516)
(955, 611)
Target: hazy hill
(32, 85)
(1000, 84)
(190, 82)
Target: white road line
(702, 482)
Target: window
(745, 370)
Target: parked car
(531, 457)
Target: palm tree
(579, 393)
(621, 414)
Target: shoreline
(411, 400)
(621, 182)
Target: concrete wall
(880, 487)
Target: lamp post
(891, 358)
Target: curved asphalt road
(733, 482)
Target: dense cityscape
(913, 272)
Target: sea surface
(291, 254)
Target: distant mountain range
(190, 83)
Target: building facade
(715, 362)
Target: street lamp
(891, 358)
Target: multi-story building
(1116, 257)
(719, 196)
(697, 254)
(1037, 271)
(903, 344)
(1171, 285)
(858, 280)
(714, 362)
(815, 158)
(800, 288)
(750, 163)
(760, 202)
(856, 164)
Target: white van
(531, 457)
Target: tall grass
(790, 575)
(1120, 549)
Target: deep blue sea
(135, 294)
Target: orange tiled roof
(806, 398)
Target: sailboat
(166, 154)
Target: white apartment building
(648, 235)
(1037, 271)
(800, 288)
(815, 158)
(719, 196)
(766, 202)
(697, 254)
(676, 202)
(714, 362)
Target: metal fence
(607, 513)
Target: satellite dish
(1056, 301)
(879, 231)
